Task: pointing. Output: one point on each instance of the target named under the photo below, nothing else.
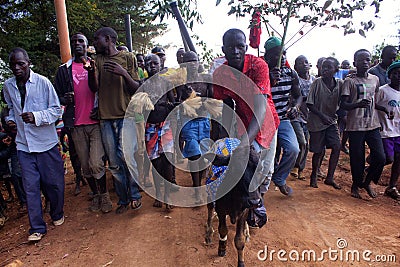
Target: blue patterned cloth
(216, 174)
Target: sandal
(136, 204)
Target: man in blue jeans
(34, 108)
(116, 75)
(285, 94)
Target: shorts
(391, 145)
(196, 134)
(326, 138)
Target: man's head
(273, 47)
(393, 72)
(160, 52)
(388, 55)
(19, 63)
(179, 55)
(362, 60)
(79, 44)
(234, 47)
(140, 60)
(122, 48)
(192, 60)
(104, 38)
(345, 65)
(329, 67)
(302, 66)
(319, 65)
(152, 64)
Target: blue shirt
(41, 99)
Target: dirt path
(313, 219)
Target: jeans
(16, 176)
(89, 148)
(43, 171)
(139, 155)
(288, 142)
(302, 135)
(118, 156)
(357, 140)
(265, 168)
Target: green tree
(32, 26)
(307, 12)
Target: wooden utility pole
(62, 28)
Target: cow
(235, 202)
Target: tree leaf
(327, 4)
(362, 33)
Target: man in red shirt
(244, 79)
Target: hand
(390, 115)
(364, 103)
(7, 140)
(88, 63)
(114, 68)
(292, 113)
(275, 75)
(28, 117)
(12, 125)
(69, 97)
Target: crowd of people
(284, 113)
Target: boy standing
(299, 124)
(363, 124)
(323, 102)
(388, 101)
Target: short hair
(107, 31)
(387, 49)
(180, 49)
(359, 52)
(335, 62)
(320, 60)
(87, 42)
(150, 57)
(232, 32)
(190, 56)
(298, 58)
(16, 50)
(139, 55)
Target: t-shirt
(113, 94)
(324, 100)
(390, 99)
(304, 85)
(84, 97)
(358, 88)
(377, 70)
(242, 87)
(281, 92)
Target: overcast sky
(320, 41)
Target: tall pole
(128, 32)
(182, 26)
(62, 27)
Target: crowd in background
(288, 114)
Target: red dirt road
(312, 219)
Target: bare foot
(157, 204)
(332, 183)
(370, 191)
(354, 192)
